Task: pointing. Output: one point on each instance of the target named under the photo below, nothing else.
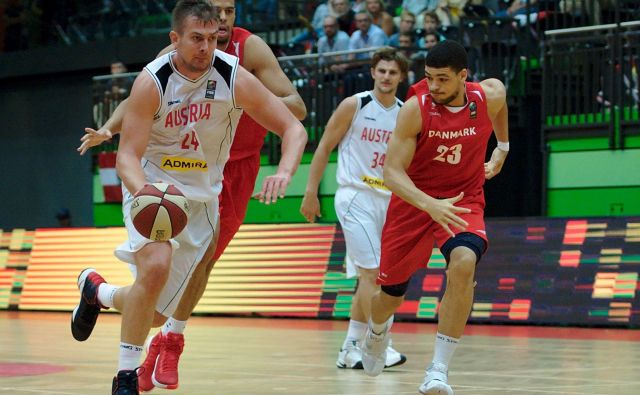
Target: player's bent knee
(469, 240)
(396, 290)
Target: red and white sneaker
(145, 384)
(165, 375)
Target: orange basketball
(159, 211)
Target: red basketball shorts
(409, 234)
(237, 187)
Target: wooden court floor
(229, 356)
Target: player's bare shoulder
(494, 89)
(496, 94)
(257, 54)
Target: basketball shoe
(165, 375)
(145, 383)
(125, 383)
(350, 357)
(86, 312)
(374, 351)
(435, 381)
(394, 358)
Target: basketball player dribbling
(184, 105)
(361, 125)
(240, 174)
(435, 169)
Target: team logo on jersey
(374, 182)
(183, 164)
(211, 89)
(473, 110)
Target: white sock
(174, 326)
(129, 356)
(106, 293)
(379, 328)
(444, 348)
(356, 332)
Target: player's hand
(273, 187)
(92, 138)
(444, 212)
(310, 207)
(494, 166)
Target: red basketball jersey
(249, 134)
(451, 148)
(420, 85)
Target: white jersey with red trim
(363, 149)
(194, 126)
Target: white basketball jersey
(363, 149)
(193, 127)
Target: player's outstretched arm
(144, 101)
(259, 60)
(400, 152)
(113, 125)
(335, 130)
(265, 108)
(93, 137)
(499, 114)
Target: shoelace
(129, 381)
(171, 355)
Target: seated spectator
(428, 41)
(431, 23)
(346, 16)
(332, 41)
(407, 24)
(379, 16)
(518, 7)
(417, 8)
(368, 35)
(359, 5)
(450, 11)
(119, 86)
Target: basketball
(159, 211)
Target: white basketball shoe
(350, 357)
(374, 351)
(435, 381)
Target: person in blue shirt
(368, 35)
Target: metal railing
(590, 82)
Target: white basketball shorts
(188, 248)
(361, 213)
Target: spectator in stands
(450, 11)
(407, 24)
(406, 43)
(518, 7)
(119, 86)
(64, 218)
(368, 35)
(332, 41)
(346, 16)
(359, 5)
(379, 16)
(428, 41)
(431, 23)
(418, 6)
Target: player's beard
(447, 99)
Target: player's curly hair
(447, 53)
(201, 9)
